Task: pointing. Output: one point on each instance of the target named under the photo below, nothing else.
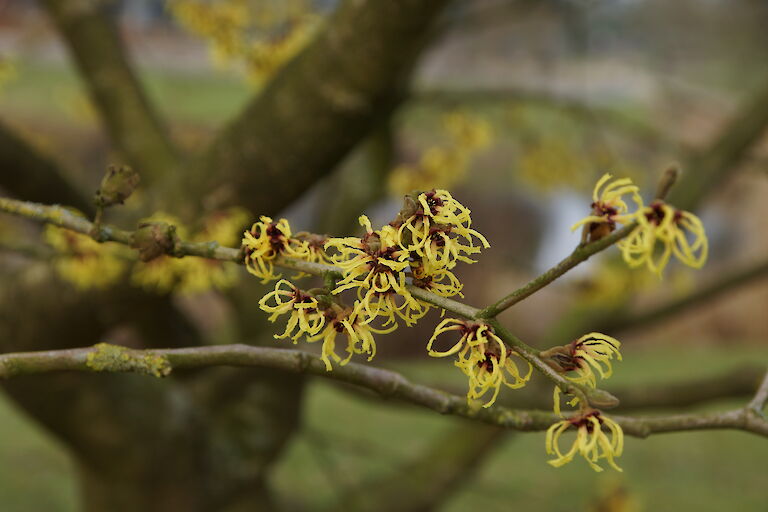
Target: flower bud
(117, 185)
(154, 239)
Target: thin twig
(675, 306)
(579, 255)
(761, 397)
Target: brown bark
(707, 169)
(126, 112)
(28, 174)
(320, 105)
(144, 443)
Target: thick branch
(320, 105)
(386, 383)
(61, 217)
(739, 382)
(28, 174)
(133, 125)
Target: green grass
(348, 441)
(692, 471)
(35, 471)
(53, 92)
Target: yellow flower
(433, 228)
(223, 227)
(468, 132)
(591, 441)
(611, 283)
(608, 207)
(376, 258)
(482, 357)
(438, 281)
(488, 370)
(83, 261)
(260, 38)
(659, 224)
(359, 335)
(550, 162)
(197, 275)
(306, 317)
(315, 246)
(593, 350)
(582, 357)
(375, 265)
(158, 275)
(265, 241)
(385, 304)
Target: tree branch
(61, 217)
(434, 475)
(707, 168)
(627, 321)
(132, 123)
(384, 382)
(319, 105)
(579, 255)
(577, 109)
(36, 177)
(761, 397)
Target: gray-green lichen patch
(112, 358)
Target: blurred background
(517, 107)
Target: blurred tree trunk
(205, 440)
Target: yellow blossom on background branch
(84, 262)
(445, 166)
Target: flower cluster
(259, 38)
(320, 318)
(676, 232)
(430, 235)
(661, 231)
(482, 357)
(265, 241)
(592, 442)
(581, 361)
(305, 315)
(435, 230)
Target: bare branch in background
(133, 124)
(438, 472)
(706, 169)
(32, 176)
(319, 105)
